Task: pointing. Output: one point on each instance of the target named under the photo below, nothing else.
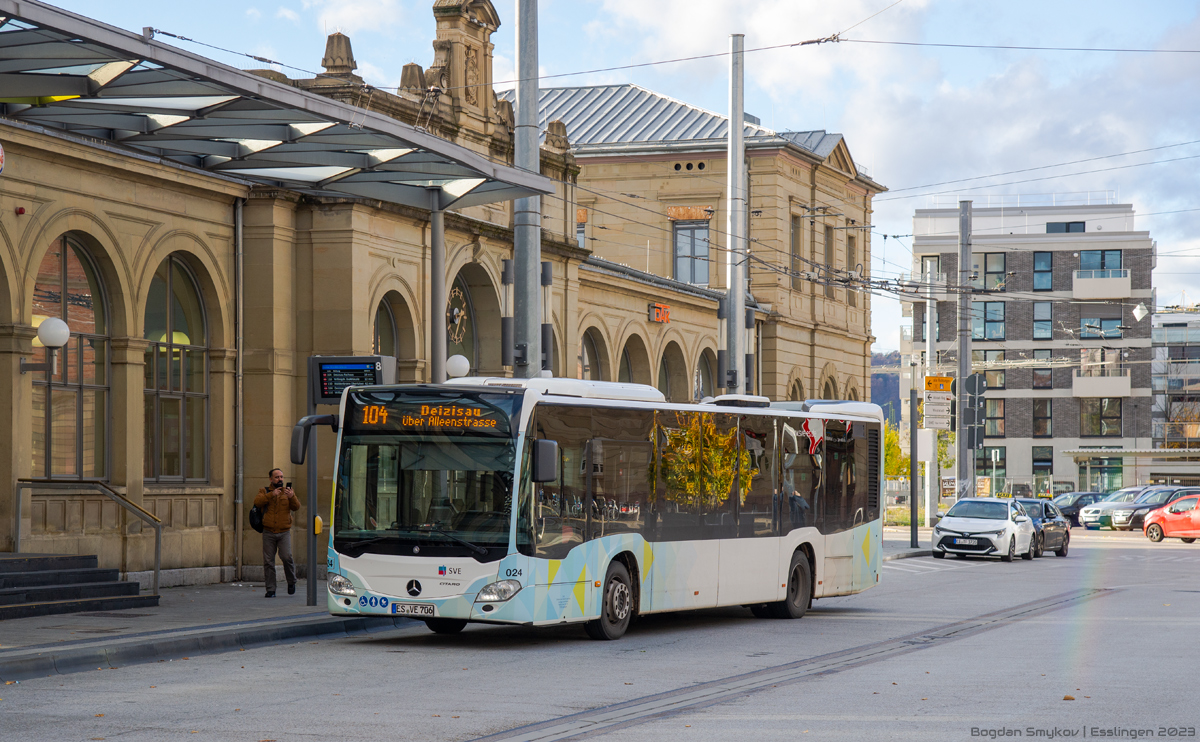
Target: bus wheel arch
(617, 607)
(635, 580)
(807, 549)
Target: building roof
(68, 72)
(630, 114)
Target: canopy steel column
(437, 288)
(735, 219)
(527, 212)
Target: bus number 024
(512, 573)
(374, 415)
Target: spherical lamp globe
(53, 332)
(457, 366)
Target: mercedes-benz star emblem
(416, 549)
(414, 588)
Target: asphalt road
(939, 648)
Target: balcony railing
(1102, 284)
(1100, 381)
(1176, 335)
(1182, 376)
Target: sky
(912, 115)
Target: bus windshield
(426, 472)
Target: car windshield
(978, 509)
(1065, 500)
(1122, 496)
(1155, 497)
(1034, 509)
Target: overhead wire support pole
(913, 465)
(437, 288)
(735, 217)
(965, 460)
(527, 212)
(932, 473)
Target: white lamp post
(54, 334)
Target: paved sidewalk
(188, 620)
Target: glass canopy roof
(64, 71)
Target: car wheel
(1066, 542)
(446, 625)
(1012, 550)
(1187, 540)
(1041, 546)
(1032, 552)
(617, 608)
(939, 554)
(1154, 532)
(799, 589)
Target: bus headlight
(498, 592)
(339, 585)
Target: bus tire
(799, 589)
(616, 609)
(446, 625)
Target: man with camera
(277, 502)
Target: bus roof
(570, 387)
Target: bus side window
(559, 508)
(840, 479)
(757, 477)
(800, 480)
(718, 474)
(676, 494)
(623, 453)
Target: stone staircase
(45, 584)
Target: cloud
(253, 13)
(287, 14)
(349, 16)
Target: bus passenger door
(837, 516)
(749, 571)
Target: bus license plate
(967, 541)
(413, 609)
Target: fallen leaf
(99, 715)
(1087, 696)
(237, 709)
(1167, 604)
(1068, 698)
(9, 682)
(154, 686)
(924, 699)
(193, 732)
(185, 658)
(629, 684)
(893, 683)
(436, 715)
(454, 717)
(687, 725)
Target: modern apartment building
(1060, 295)
(1176, 379)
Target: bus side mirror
(301, 431)
(545, 460)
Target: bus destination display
(465, 416)
(335, 377)
(448, 417)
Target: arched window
(71, 410)
(704, 378)
(664, 379)
(385, 331)
(625, 375)
(830, 390)
(796, 393)
(460, 323)
(589, 359)
(176, 377)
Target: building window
(704, 379)
(987, 320)
(1100, 417)
(852, 265)
(1043, 378)
(176, 377)
(1043, 324)
(1097, 327)
(1043, 468)
(930, 267)
(581, 233)
(70, 429)
(691, 252)
(829, 247)
(1102, 263)
(1042, 422)
(1063, 227)
(923, 327)
(993, 418)
(990, 461)
(993, 377)
(1043, 271)
(992, 276)
(797, 263)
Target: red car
(1180, 519)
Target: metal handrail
(143, 514)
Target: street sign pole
(912, 466)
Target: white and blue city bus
(550, 501)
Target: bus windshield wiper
(463, 542)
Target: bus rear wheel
(446, 625)
(799, 589)
(616, 609)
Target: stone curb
(24, 666)
(907, 554)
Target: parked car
(1096, 514)
(1071, 502)
(1180, 519)
(1133, 515)
(1051, 530)
(985, 526)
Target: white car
(985, 526)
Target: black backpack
(256, 518)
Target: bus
(548, 501)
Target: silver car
(985, 526)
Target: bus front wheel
(616, 610)
(799, 589)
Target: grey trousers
(281, 542)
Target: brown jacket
(277, 509)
